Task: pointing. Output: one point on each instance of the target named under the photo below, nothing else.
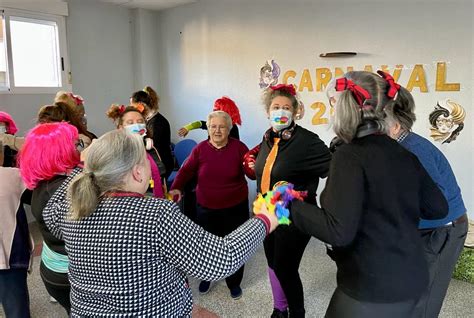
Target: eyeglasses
(215, 127)
(80, 145)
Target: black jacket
(301, 160)
(371, 206)
(160, 130)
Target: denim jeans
(14, 293)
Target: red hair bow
(121, 109)
(290, 89)
(77, 99)
(393, 87)
(360, 94)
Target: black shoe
(236, 293)
(279, 314)
(204, 287)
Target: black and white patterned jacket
(130, 257)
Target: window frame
(62, 46)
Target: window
(33, 57)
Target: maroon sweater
(220, 175)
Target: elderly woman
(225, 104)
(288, 152)
(129, 255)
(221, 191)
(371, 207)
(16, 244)
(443, 239)
(49, 154)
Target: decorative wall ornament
(447, 121)
(269, 74)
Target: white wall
(101, 54)
(146, 48)
(214, 48)
(113, 52)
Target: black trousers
(57, 285)
(344, 306)
(284, 249)
(442, 248)
(14, 293)
(221, 222)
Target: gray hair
(221, 114)
(400, 110)
(348, 113)
(108, 161)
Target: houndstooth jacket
(130, 257)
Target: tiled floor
(318, 275)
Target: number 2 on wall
(318, 118)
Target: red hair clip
(78, 100)
(393, 87)
(360, 94)
(121, 109)
(290, 89)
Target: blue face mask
(137, 129)
(280, 119)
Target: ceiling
(149, 4)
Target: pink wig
(49, 149)
(7, 119)
(228, 105)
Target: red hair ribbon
(360, 94)
(290, 89)
(77, 99)
(393, 87)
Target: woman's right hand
(182, 132)
(259, 208)
(175, 195)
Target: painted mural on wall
(447, 121)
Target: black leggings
(284, 249)
(57, 285)
(221, 222)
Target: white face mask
(280, 119)
(3, 129)
(137, 129)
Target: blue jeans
(14, 293)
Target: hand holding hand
(175, 195)
(259, 207)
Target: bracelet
(266, 222)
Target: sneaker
(236, 293)
(204, 287)
(279, 314)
